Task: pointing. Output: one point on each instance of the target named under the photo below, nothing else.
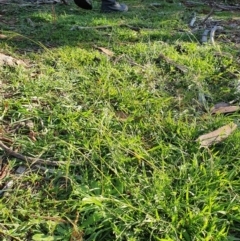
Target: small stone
(20, 170)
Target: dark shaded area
(32, 29)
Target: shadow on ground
(33, 26)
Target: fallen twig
(182, 68)
(91, 27)
(219, 6)
(191, 4)
(137, 29)
(227, 7)
(134, 28)
(207, 17)
(32, 160)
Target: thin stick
(137, 29)
(210, 13)
(29, 159)
(227, 8)
(182, 68)
(93, 27)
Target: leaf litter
(6, 60)
(226, 30)
(225, 109)
(217, 136)
(105, 51)
(205, 140)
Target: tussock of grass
(124, 125)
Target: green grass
(125, 127)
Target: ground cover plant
(100, 120)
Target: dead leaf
(10, 61)
(216, 136)
(29, 124)
(4, 171)
(105, 51)
(2, 36)
(225, 109)
(5, 139)
(121, 115)
(32, 135)
(76, 235)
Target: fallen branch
(227, 8)
(32, 160)
(31, 4)
(191, 4)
